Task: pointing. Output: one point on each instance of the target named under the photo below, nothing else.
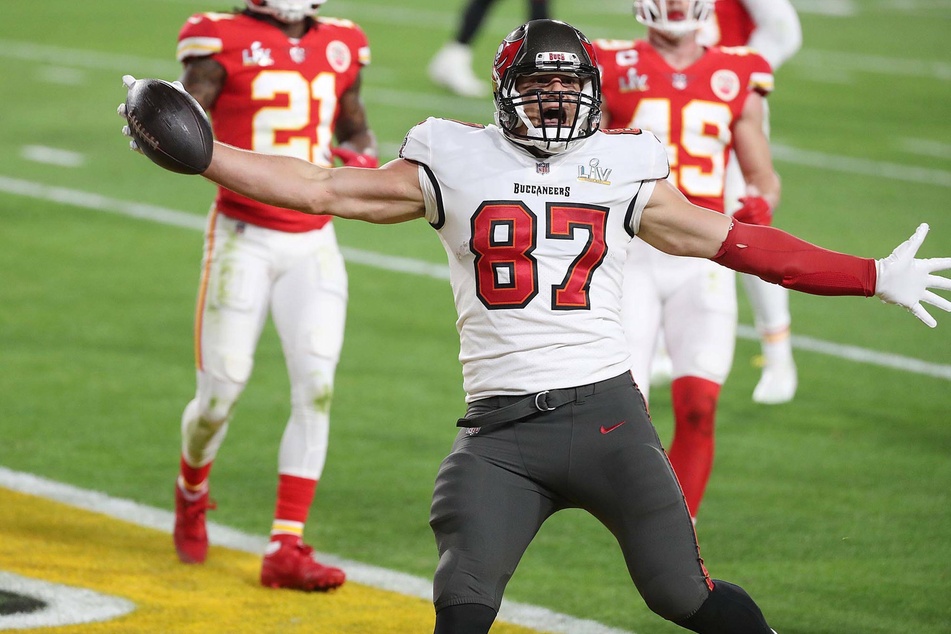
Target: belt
(544, 401)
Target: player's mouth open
(553, 116)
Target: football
(169, 126)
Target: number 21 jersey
(280, 97)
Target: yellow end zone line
(83, 539)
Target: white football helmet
(674, 17)
(286, 10)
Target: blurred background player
(278, 80)
(701, 103)
(772, 29)
(451, 67)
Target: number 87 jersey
(692, 110)
(536, 249)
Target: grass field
(834, 511)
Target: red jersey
(692, 111)
(732, 24)
(280, 96)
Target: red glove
(756, 210)
(354, 159)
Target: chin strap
(783, 259)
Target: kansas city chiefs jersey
(536, 249)
(280, 97)
(692, 110)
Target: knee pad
(315, 391)
(216, 397)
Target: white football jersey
(536, 249)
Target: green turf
(832, 510)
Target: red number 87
(504, 235)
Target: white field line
(52, 156)
(220, 535)
(863, 167)
(97, 202)
(926, 147)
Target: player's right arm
(203, 78)
(199, 41)
(386, 195)
(753, 152)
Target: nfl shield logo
(542, 168)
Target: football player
(772, 29)
(277, 79)
(702, 103)
(536, 213)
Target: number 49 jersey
(280, 97)
(536, 249)
(692, 110)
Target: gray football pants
(599, 453)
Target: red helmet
(286, 10)
(546, 46)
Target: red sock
(691, 450)
(193, 477)
(294, 496)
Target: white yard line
(52, 156)
(98, 202)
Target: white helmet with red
(286, 10)
(673, 17)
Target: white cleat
(451, 68)
(777, 384)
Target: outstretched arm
(385, 195)
(673, 225)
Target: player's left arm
(751, 146)
(778, 33)
(356, 143)
(672, 224)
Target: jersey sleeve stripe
(198, 47)
(762, 82)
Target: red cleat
(191, 538)
(294, 566)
